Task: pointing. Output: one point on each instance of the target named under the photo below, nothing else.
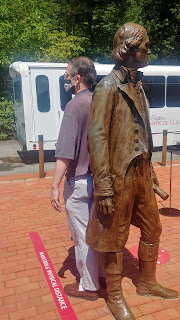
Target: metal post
(164, 148)
(170, 181)
(41, 157)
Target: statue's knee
(153, 234)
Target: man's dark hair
(85, 68)
(126, 40)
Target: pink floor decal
(163, 255)
(64, 307)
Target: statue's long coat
(119, 131)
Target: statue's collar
(127, 74)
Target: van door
(44, 104)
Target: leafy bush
(7, 120)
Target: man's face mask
(68, 85)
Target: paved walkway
(24, 292)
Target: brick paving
(24, 292)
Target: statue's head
(130, 46)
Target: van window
(99, 78)
(42, 91)
(154, 87)
(64, 96)
(173, 91)
(18, 90)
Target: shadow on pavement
(130, 269)
(169, 212)
(69, 264)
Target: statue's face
(141, 58)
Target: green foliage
(98, 21)
(7, 120)
(33, 31)
(30, 28)
(62, 47)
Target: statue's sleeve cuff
(104, 187)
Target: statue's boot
(116, 302)
(147, 285)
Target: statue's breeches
(135, 203)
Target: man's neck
(80, 88)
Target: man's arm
(65, 149)
(61, 167)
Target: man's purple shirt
(72, 141)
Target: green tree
(98, 20)
(7, 120)
(161, 18)
(31, 31)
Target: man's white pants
(78, 196)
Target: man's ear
(78, 77)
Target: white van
(40, 100)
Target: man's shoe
(72, 290)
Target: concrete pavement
(11, 164)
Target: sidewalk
(24, 293)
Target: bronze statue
(120, 144)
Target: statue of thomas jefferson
(120, 144)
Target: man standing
(73, 159)
(120, 144)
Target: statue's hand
(106, 205)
